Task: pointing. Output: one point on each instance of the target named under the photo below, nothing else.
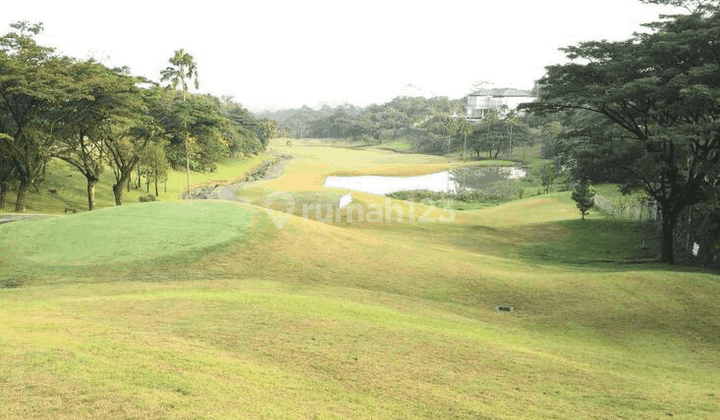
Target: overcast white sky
(288, 53)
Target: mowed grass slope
(370, 320)
(119, 236)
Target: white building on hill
(504, 99)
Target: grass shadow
(398, 151)
(601, 244)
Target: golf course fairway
(208, 309)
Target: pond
(460, 179)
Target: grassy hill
(206, 310)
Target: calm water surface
(460, 179)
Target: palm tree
(183, 69)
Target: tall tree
(464, 129)
(155, 164)
(445, 126)
(268, 129)
(210, 124)
(590, 146)
(33, 82)
(183, 69)
(547, 174)
(512, 121)
(489, 135)
(107, 94)
(241, 128)
(663, 88)
(7, 172)
(129, 133)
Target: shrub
(583, 196)
(498, 192)
(146, 198)
(10, 283)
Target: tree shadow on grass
(399, 151)
(603, 245)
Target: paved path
(7, 218)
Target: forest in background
(429, 125)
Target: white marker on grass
(345, 200)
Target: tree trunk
(3, 189)
(187, 158)
(669, 221)
(22, 193)
(511, 141)
(118, 192)
(91, 193)
(156, 188)
(465, 147)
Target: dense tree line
(431, 125)
(645, 112)
(94, 117)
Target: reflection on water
(460, 179)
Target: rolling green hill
(206, 310)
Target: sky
(270, 54)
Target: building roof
(501, 92)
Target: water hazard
(456, 180)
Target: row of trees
(432, 125)
(645, 112)
(374, 122)
(94, 117)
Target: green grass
(397, 146)
(63, 188)
(596, 241)
(228, 170)
(501, 192)
(612, 192)
(390, 320)
(130, 233)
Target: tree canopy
(94, 117)
(33, 81)
(183, 69)
(663, 89)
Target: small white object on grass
(345, 200)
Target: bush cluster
(499, 192)
(146, 198)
